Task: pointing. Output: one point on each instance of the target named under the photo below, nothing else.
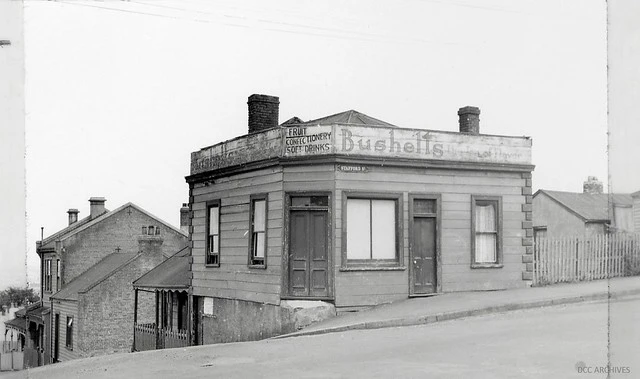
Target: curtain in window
(259, 222)
(486, 234)
(214, 213)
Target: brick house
(86, 273)
(558, 214)
(352, 211)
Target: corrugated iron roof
(172, 273)
(590, 207)
(94, 275)
(350, 117)
(17, 323)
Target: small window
(47, 275)
(57, 274)
(486, 216)
(371, 232)
(213, 230)
(258, 230)
(69, 342)
(539, 232)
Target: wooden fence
(579, 259)
(148, 337)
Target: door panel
(308, 265)
(424, 255)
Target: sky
(118, 94)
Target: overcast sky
(119, 93)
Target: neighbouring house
(636, 211)
(352, 211)
(559, 214)
(87, 270)
(166, 288)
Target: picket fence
(582, 259)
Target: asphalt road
(555, 342)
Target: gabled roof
(172, 273)
(88, 222)
(108, 266)
(350, 117)
(589, 207)
(635, 194)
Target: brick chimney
(73, 215)
(184, 218)
(96, 205)
(469, 119)
(150, 246)
(263, 112)
(592, 185)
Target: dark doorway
(56, 343)
(424, 234)
(308, 247)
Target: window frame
(47, 275)
(58, 265)
(252, 263)
(69, 334)
(486, 199)
(212, 204)
(374, 264)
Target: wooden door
(308, 265)
(423, 248)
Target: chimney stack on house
(469, 120)
(184, 218)
(150, 246)
(97, 206)
(592, 185)
(73, 215)
(263, 112)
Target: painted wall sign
(308, 140)
(380, 142)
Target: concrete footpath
(449, 306)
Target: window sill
(212, 265)
(254, 266)
(373, 268)
(487, 265)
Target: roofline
(115, 211)
(175, 286)
(91, 286)
(149, 272)
(561, 203)
(635, 194)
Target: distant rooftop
(591, 207)
(350, 117)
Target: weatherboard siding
(234, 279)
(67, 308)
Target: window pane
(424, 206)
(214, 213)
(383, 227)
(486, 248)
(358, 229)
(258, 244)
(486, 218)
(216, 244)
(259, 215)
(320, 201)
(300, 201)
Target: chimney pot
(263, 112)
(469, 120)
(73, 215)
(96, 205)
(592, 185)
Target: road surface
(553, 342)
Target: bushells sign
(372, 141)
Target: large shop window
(213, 234)
(258, 232)
(371, 233)
(487, 232)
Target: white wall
(12, 146)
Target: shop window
(372, 231)
(258, 231)
(47, 275)
(486, 215)
(69, 342)
(213, 234)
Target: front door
(423, 247)
(308, 250)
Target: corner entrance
(424, 246)
(308, 247)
